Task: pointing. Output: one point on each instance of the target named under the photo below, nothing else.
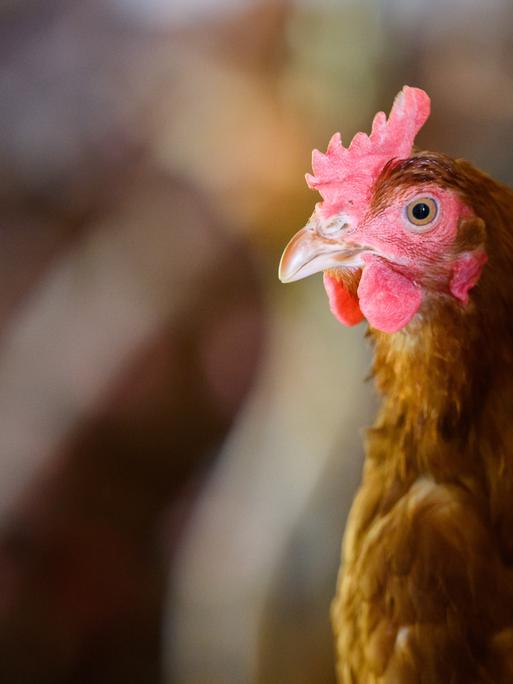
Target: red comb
(344, 176)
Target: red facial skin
(402, 261)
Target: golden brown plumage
(425, 591)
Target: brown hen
(421, 246)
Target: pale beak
(309, 252)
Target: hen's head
(393, 229)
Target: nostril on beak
(333, 226)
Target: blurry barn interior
(180, 434)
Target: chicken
(421, 245)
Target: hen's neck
(436, 377)
(448, 377)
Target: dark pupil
(421, 211)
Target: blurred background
(180, 434)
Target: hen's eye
(421, 211)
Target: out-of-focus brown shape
(84, 553)
(131, 324)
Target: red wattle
(343, 305)
(387, 299)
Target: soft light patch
(387, 299)
(343, 305)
